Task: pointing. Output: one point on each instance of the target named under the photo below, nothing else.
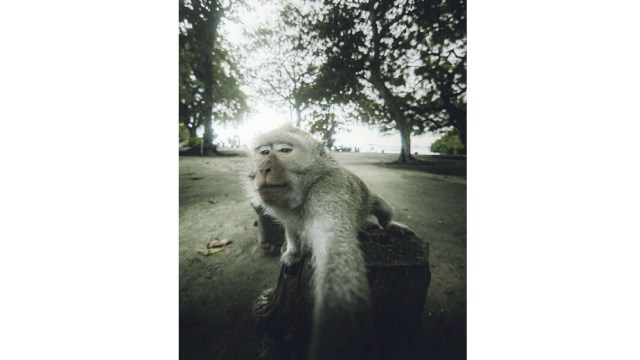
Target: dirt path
(217, 291)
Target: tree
(326, 125)
(286, 59)
(379, 56)
(327, 120)
(208, 75)
(449, 144)
(444, 27)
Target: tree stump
(398, 274)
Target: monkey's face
(286, 161)
(272, 162)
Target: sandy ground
(217, 291)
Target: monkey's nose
(266, 170)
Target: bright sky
(267, 116)
(360, 135)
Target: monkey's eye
(283, 148)
(263, 150)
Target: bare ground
(217, 291)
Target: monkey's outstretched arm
(342, 319)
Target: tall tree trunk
(462, 131)
(329, 131)
(207, 138)
(298, 115)
(192, 131)
(389, 100)
(405, 148)
(459, 120)
(210, 33)
(398, 116)
(457, 114)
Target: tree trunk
(298, 115)
(405, 147)
(210, 33)
(458, 115)
(459, 120)
(461, 123)
(390, 102)
(462, 131)
(331, 132)
(192, 131)
(207, 137)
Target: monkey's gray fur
(322, 207)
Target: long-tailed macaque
(322, 206)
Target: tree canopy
(401, 62)
(399, 65)
(448, 144)
(286, 63)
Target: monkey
(322, 207)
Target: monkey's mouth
(271, 186)
(272, 192)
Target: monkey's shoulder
(339, 185)
(338, 177)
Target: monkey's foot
(400, 228)
(290, 260)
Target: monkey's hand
(290, 259)
(400, 228)
(370, 225)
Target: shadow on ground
(434, 164)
